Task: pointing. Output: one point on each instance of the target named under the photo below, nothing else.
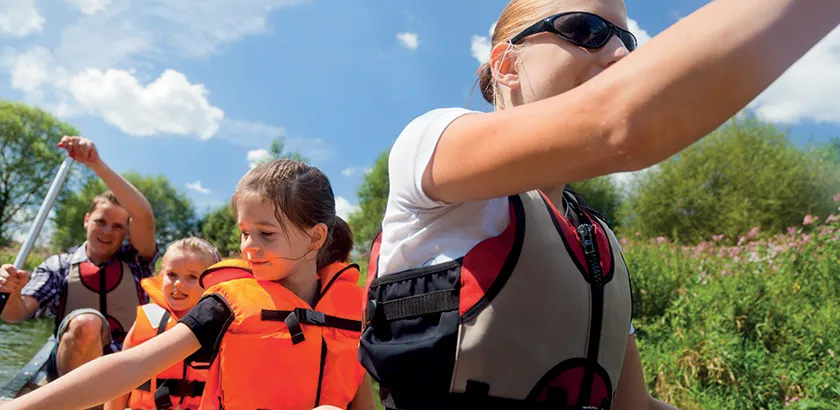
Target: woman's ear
(503, 63)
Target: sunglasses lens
(628, 39)
(584, 29)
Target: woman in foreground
(486, 265)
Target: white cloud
(31, 69)
(348, 171)
(642, 36)
(256, 155)
(480, 45)
(368, 170)
(196, 186)
(251, 134)
(20, 18)
(344, 208)
(89, 7)
(119, 45)
(408, 40)
(808, 90)
(170, 104)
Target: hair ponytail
(485, 83)
(338, 245)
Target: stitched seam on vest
(510, 262)
(413, 273)
(334, 278)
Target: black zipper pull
(586, 233)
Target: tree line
(744, 174)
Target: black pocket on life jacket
(411, 334)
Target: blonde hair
(196, 246)
(516, 17)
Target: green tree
(744, 174)
(373, 197)
(28, 164)
(277, 150)
(602, 194)
(174, 213)
(219, 228)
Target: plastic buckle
(312, 317)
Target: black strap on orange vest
(293, 319)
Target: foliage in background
(746, 173)
(604, 195)
(28, 163)
(174, 213)
(373, 197)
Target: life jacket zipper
(586, 233)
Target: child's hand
(81, 149)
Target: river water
(19, 342)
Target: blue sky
(188, 88)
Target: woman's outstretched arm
(661, 98)
(110, 376)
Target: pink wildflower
(836, 197)
(832, 218)
(661, 239)
(809, 219)
(717, 238)
(753, 232)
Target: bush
(744, 174)
(602, 194)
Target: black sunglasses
(586, 30)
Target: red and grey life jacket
(537, 317)
(110, 289)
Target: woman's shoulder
(433, 122)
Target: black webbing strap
(293, 319)
(177, 387)
(164, 319)
(418, 305)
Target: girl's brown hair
(304, 195)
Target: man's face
(106, 228)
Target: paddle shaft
(40, 218)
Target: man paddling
(92, 291)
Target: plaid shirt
(48, 282)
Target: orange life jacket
(279, 352)
(184, 382)
(534, 318)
